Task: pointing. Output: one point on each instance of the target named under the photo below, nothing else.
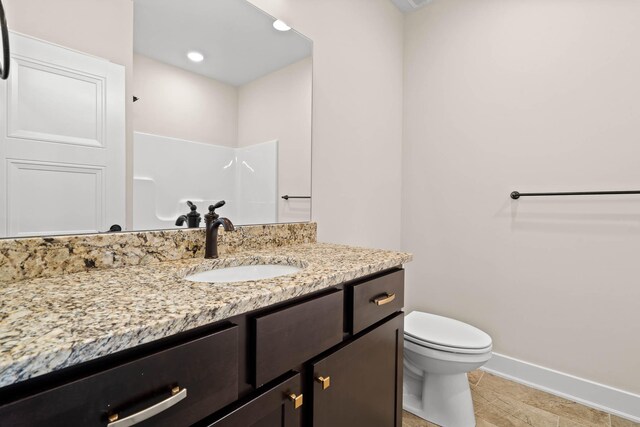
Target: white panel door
(62, 141)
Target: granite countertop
(47, 324)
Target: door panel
(62, 129)
(36, 92)
(34, 186)
(365, 378)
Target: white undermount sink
(243, 273)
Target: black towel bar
(516, 195)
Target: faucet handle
(220, 204)
(212, 215)
(191, 205)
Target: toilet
(438, 353)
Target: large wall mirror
(120, 112)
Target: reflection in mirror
(122, 112)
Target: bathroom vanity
(322, 347)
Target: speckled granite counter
(34, 257)
(48, 324)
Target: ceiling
(237, 40)
(410, 5)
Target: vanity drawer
(376, 299)
(182, 384)
(286, 338)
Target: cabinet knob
(296, 399)
(324, 381)
(383, 299)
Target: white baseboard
(588, 393)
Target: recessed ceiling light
(195, 56)
(281, 26)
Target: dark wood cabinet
(360, 384)
(290, 336)
(373, 300)
(328, 359)
(193, 379)
(277, 405)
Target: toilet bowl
(438, 353)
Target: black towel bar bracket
(516, 194)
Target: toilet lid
(444, 332)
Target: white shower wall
(170, 171)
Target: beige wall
(278, 106)
(527, 95)
(98, 27)
(357, 117)
(181, 104)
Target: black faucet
(192, 218)
(213, 221)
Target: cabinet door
(362, 381)
(278, 405)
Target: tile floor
(502, 403)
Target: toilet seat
(445, 356)
(444, 334)
(446, 349)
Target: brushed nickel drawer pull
(176, 396)
(383, 299)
